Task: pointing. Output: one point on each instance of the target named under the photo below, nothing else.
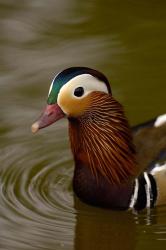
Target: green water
(123, 39)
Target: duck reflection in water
(102, 229)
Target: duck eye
(79, 91)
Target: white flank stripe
(135, 195)
(148, 189)
(158, 168)
(160, 121)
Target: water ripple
(35, 197)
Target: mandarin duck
(112, 167)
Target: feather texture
(101, 139)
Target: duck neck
(101, 140)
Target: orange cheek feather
(74, 107)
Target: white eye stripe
(88, 82)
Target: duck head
(69, 94)
(99, 132)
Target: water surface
(123, 39)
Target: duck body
(100, 192)
(108, 171)
(96, 155)
(93, 187)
